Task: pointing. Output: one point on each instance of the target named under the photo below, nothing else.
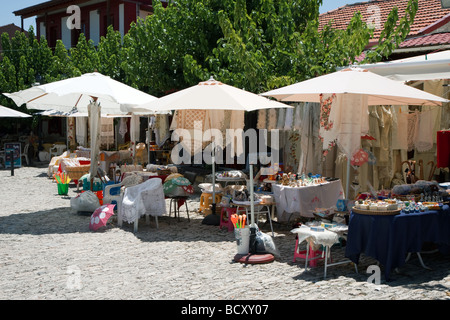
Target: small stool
(176, 212)
(307, 254)
(206, 200)
(225, 218)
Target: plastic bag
(87, 201)
(265, 244)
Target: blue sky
(7, 16)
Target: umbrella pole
(213, 158)
(348, 179)
(252, 248)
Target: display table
(315, 239)
(303, 200)
(389, 239)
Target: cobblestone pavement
(48, 252)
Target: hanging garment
(262, 119)
(386, 124)
(413, 120)
(399, 137)
(281, 118)
(272, 119)
(443, 149)
(107, 132)
(123, 129)
(298, 116)
(348, 121)
(81, 131)
(161, 129)
(424, 136)
(310, 143)
(289, 120)
(437, 88)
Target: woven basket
(76, 172)
(377, 213)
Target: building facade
(67, 19)
(430, 31)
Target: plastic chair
(57, 150)
(206, 199)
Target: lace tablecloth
(303, 200)
(316, 238)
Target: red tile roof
(427, 40)
(428, 13)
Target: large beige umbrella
(355, 90)
(11, 113)
(91, 93)
(213, 95)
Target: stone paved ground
(47, 252)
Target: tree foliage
(256, 45)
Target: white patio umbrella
(214, 95)
(355, 89)
(88, 91)
(11, 113)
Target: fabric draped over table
(304, 200)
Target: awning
(424, 67)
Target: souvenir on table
(377, 207)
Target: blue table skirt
(389, 239)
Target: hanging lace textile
(424, 136)
(107, 132)
(272, 119)
(399, 137)
(71, 133)
(310, 143)
(161, 129)
(289, 119)
(134, 133)
(123, 129)
(298, 116)
(413, 120)
(385, 128)
(262, 119)
(94, 113)
(81, 131)
(347, 121)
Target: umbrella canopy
(11, 113)
(424, 67)
(210, 95)
(378, 89)
(114, 96)
(100, 216)
(85, 93)
(213, 95)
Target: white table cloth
(303, 200)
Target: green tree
(110, 55)
(84, 55)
